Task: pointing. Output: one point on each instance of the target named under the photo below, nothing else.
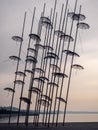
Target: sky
(83, 94)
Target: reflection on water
(69, 118)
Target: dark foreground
(68, 126)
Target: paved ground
(68, 126)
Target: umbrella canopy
(31, 50)
(59, 33)
(37, 45)
(35, 37)
(46, 22)
(35, 90)
(77, 17)
(76, 66)
(15, 58)
(48, 47)
(44, 102)
(9, 89)
(60, 75)
(26, 100)
(39, 80)
(61, 99)
(17, 38)
(31, 59)
(83, 25)
(39, 70)
(20, 73)
(19, 82)
(29, 71)
(44, 78)
(46, 97)
(53, 84)
(55, 67)
(67, 38)
(71, 53)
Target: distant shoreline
(6, 111)
(32, 114)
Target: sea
(70, 117)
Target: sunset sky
(83, 94)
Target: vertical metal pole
(62, 58)
(50, 65)
(56, 49)
(48, 50)
(42, 62)
(58, 54)
(45, 64)
(32, 75)
(25, 65)
(39, 85)
(65, 58)
(68, 87)
(63, 78)
(53, 38)
(17, 68)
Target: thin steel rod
(50, 66)
(17, 66)
(32, 75)
(46, 60)
(57, 46)
(53, 35)
(70, 73)
(61, 62)
(49, 44)
(58, 53)
(63, 78)
(41, 85)
(26, 65)
(36, 102)
(41, 66)
(65, 68)
(66, 57)
(42, 14)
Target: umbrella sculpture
(47, 74)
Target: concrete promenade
(68, 126)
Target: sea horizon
(71, 116)
(15, 109)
